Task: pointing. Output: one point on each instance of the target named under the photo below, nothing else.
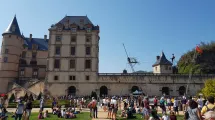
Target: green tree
(12, 98)
(209, 88)
(25, 97)
(39, 96)
(31, 97)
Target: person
(175, 106)
(19, 110)
(41, 104)
(193, 111)
(45, 114)
(110, 108)
(162, 105)
(155, 102)
(165, 117)
(146, 108)
(115, 108)
(184, 101)
(172, 116)
(154, 116)
(200, 103)
(4, 115)
(28, 108)
(40, 116)
(208, 111)
(169, 103)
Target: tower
(162, 65)
(73, 56)
(11, 49)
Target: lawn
(81, 116)
(138, 117)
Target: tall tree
(209, 88)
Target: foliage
(31, 97)
(204, 63)
(39, 96)
(93, 94)
(209, 88)
(25, 97)
(12, 98)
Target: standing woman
(193, 111)
(19, 111)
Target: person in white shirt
(165, 117)
(200, 103)
(175, 105)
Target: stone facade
(68, 63)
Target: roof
(41, 42)
(76, 20)
(13, 28)
(162, 61)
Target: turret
(11, 49)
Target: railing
(153, 74)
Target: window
(72, 77)
(57, 63)
(87, 77)
(166, 67)
(74, 29)
(72, 51)
(34, 47)
(35, 72)
(9, 36)
(169, 68)
(73, 39)
(57, 50)
(88, 39)
(55, 77)
(6, 51)
(33, 62)
(22, 72)
(88, 50)
(156, 68)
(5, 59)
(58, 38)
(88, 29)
(72, 64)
(87, 64)
(34, 54)
(23, 54)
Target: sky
(146, 27)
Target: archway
(134, 88)
(182, 90)
(72, 90)
(103, 91)
(165, 90)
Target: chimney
(45, 37)
(157, 57)
(30, 37)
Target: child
(46, 114)
(40, 116)
(165, 117)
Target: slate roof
(162, 61)
(76, 20)
(13, 28)
(42, 43)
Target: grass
(81, 116)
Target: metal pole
(190, 72)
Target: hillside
(204, 63)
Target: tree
(209, 88)
(25, 97)
(39, 96)
(31, 97)
(93, 94)
(12, 98)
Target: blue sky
(146, 27)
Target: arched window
(182, 90)
(134, 88)
(165, 90)
(103, 91)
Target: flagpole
(190, 72)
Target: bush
(31, 97)
(25, 97)
(208, 89)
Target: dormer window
(34, 47)
(13, 28)
(88, 29)
(74, 30)
(59, 27)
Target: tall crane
(131, 61)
